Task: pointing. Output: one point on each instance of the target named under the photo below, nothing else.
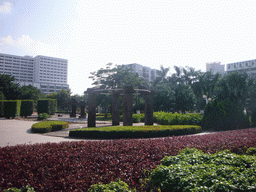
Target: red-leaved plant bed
(77, 165)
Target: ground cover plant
(165, 118)
(117, 132)
(193, 170)
(48, 126)
(68, 166)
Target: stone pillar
(127, 105)
(82, 104)
(115, 108)
(91, 122)
(149, 119)
(73, 108)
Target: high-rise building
(144, 71)
(244, 66)
(49, 74)
(216, 67)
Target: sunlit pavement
(14, 132)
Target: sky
(91, 34)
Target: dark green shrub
(47, 106)
(118, 186)
(253, 117)
(224, 115)
(43, 116)
(1, 109)
(48, 126)
(26, 108)
(193, 170)
(12, 108)
(23, 189)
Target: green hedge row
(165, 118)
(135, 131)
(48, 126)
(47, 106)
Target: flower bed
(68, 166)
(135, 131)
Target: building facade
(144, 71)
(48, 74)
(244, 66)
(216, 67)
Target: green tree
(117, 77)
(30, 92)
(8, 87)
(63, 98)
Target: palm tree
(162, 76)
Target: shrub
(12, 108)
(1, 109)
(251, 151)
(26, 108)
(193, 170)
(224, 115)
(253, 117)
(165, 118)
(23, 189)
(118, 186)
(135, 131)
(46, 106)
(43, 116)
(48, 126)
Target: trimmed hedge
(12, 108)
(27, 107)
(47, 106)
(134, 131)
(1, 109)
(49, 126)
(165, 118)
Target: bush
(135, 131)
(1, 109)
(26, 108)
(251, 151)
(23, 189)
(224, 115)
(118, 186)
(46, 106)
(165, 118)
(43, 116)
(12, 108)
(48, 126)
(193, 170)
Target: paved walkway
(14, 132)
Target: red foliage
(68, 166)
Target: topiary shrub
(224, 115)
(12, 108)
(47, 106)
(253, 117)
(118, 186)
(26, 108)
(23, 189)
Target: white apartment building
(244, 66)
(144, 71)
(216, 67)
(49, 74)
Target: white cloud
(6, 8)
(30, 46)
